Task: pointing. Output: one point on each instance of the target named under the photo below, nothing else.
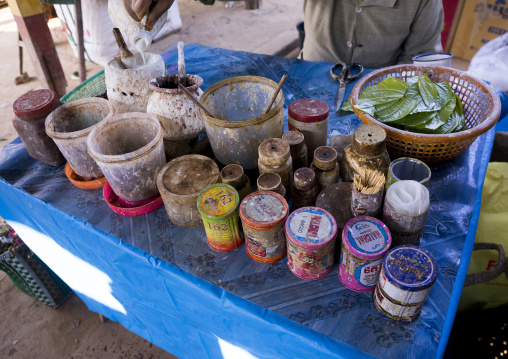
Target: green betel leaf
(431, 127)
(346, 106)
(452, 123)
(366, 107)
(462, 124)
(385, 105)
(387, 90)
(417, 119)
(413, 91)
(428, 90)
(444, 94)
(459, 105)
(398, 110)
(446, 111)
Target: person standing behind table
(374, 33)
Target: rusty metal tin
(365, 241)
(366, 204)
(263, 217)
(218, 205)
(368, 151)
(310, 234)
(406, 278)
(297, 147)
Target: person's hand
(154, 8)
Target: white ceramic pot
(178, 114)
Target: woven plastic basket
(95, 86)
(481, 111)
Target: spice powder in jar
(218, 205)
(263, 217)
(365, 241)
(310, 234)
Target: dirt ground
(28, 328)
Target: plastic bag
(409, 198)
(490, 63)
(491, 229)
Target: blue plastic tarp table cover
(164, 282)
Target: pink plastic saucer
(130, 208)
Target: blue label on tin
(367, 236)
(410, 267)
(310, 226)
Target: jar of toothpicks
(367, 196)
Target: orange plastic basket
(481, 111)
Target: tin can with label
(218, 205)
(263, 217)
(407, 276)
(365, 241)
(310, 234)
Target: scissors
(344, 77)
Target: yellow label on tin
(218, 201)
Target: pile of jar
(297, 211)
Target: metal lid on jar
(264, 209)
(410, 268)
(304, 178)
(218, 200)
(366, 237)
(369, 140)
(233, 175)
(274, 152)
(308, 110)
(35, 104)
(325, 158)
(311, 228)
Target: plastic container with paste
(310, 117)
(263, 217)
(31, 111)
(310, 234)
(365, 241)
(407, 276)
(218, 205)
(180, 182)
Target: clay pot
(128, 89)
(178, 115)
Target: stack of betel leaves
(418, 105)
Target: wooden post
(81, 42)
(39, 44)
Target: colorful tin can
(310, 234)
(218, 205)
(263, 217)
(407, 276)
(365, 241)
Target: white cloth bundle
(409, 198)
